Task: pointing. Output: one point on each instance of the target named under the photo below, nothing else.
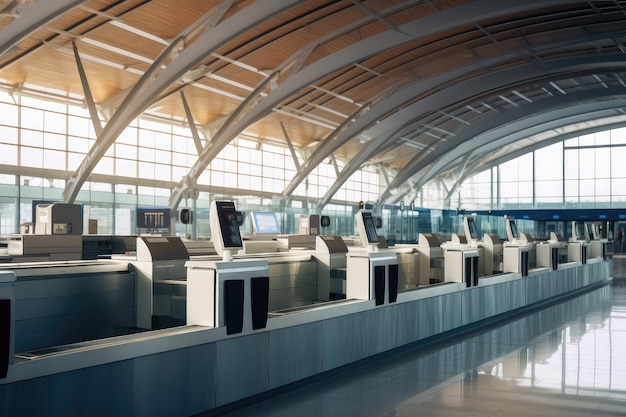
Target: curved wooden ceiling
(396, 83)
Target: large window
(51, 138)
(588, 171)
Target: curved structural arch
(501, 129)
(135, 104)
(419, 28)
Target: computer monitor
(367, 228)
(591, 232)
(471, 231)
(225, 231)
(265, 223)
(511, 230)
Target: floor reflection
(565, 360)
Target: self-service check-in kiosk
(462, 265)
(331, 257)
(515, 251)
(230, 293)
(431, 259)
(577, 248)
(552, 252)
(461, 255)
(161, 281)
(493, 253)
(7, 320)
(371, 275)
(598, 245)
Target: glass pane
(587, 140)
(548, 189)
(54, 159)
(8, 154)
(55, 122)
(603, 163)
(105, 166)
(587, 188)
(55, 141)
(146, 170)
(31, 157)
(618, 136)
(146, 154)
(8, 134)
(603, 187)
(32, 118)
(571, 189)
(587, 163)
(78, 144)
(549, 162)
(8, 114)
(618, 162)
(125, 151)
(32, 138)
(571, 164)
(126, 168)
(509, 171)
(603, 138)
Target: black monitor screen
(228, 224)
(514, 230)
(370, 227)
(473, 231)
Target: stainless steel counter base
(195, 369)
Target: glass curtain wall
(583, 172)
(44, 136)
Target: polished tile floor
(565, 360)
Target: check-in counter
(43, 248)
(331, 256)
(289, 242)
(259, 246)
(161, 275)
(372, 276)
(462, 265)
(516, 259)
(493, 254)
(408, 266)
(550, 254)
(7, 320)
(600, 248)
(431, 263)
(231, 294)
(577, 251)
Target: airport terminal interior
(312, 208)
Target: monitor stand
(372, 248)
(227, 255)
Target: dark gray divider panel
(63, 309)
(233, 305)
(259, 287)
(393, 283)
(5, 336)
(379, 284)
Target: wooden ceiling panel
(123, 40)
(167, 19)
(310, 114)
